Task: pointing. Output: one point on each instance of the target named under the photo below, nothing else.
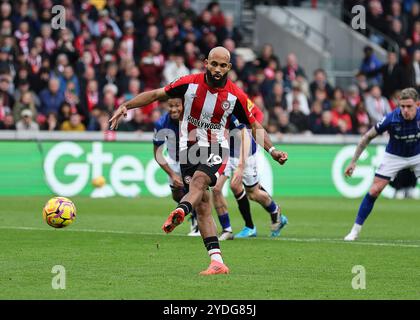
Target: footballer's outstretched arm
(363, 143)
(141, 100)
(263, 139)
(160, 159)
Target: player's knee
(199, 182)
(236, 188)
(252, 193)
(375, 191)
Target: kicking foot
(175, 219)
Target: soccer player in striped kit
(402, 151)
(209, 100)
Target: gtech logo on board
(125, 171)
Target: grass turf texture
(116, 250)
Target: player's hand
(121, 111)
(350, 169)
(177, 181)
(237, 176)
(280, 156)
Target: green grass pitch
(116, 250)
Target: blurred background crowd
(73, 78)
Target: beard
(216, 83)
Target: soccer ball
(98, 182)
(59, 212)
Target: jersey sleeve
(178, 88)
(243, 110)
(258, 114)
(384, 124)
(158, 139)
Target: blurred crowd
(73, 78)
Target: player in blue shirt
(167, 131)
(242, 170)
(402, 151)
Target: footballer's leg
(198, 184)
(208, 232)
(220, 204)
(249, 230)
(259, 194)
(177, 195)
(379, 184)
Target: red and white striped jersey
(207, 110)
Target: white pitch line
(396, 243)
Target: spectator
(104, 22)
(6, 99)
(217, 18)
(370, 63)
(67, 77)
(362, 83)
(392, 75)
(339, 97)
(281, 122)
(276, 98)
(397, 33)
(396, 14)
(7, 122)
(267, 54)
(168, 8)
(151, 66)
(326, 126)
(297, 94)
(341, 118)
(375, 18)
(298, 118)
(186, 11)
(320, 82)
(26, 123)
(353, 96)
(5, 60)
(229, 31)
(64, 113)
(321, 96)
(25, 102)
(292, 70)
(174, 68)
(51, 123)
(74, 124)
(413, 71)
(360, 119)
(413, 16)
(51, 97)
(99, 120)
(315, 117)
(377, 106)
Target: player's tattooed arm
(363, 143)
(141, 100)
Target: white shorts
(175, 166)
(250, 177)
(391, 164)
